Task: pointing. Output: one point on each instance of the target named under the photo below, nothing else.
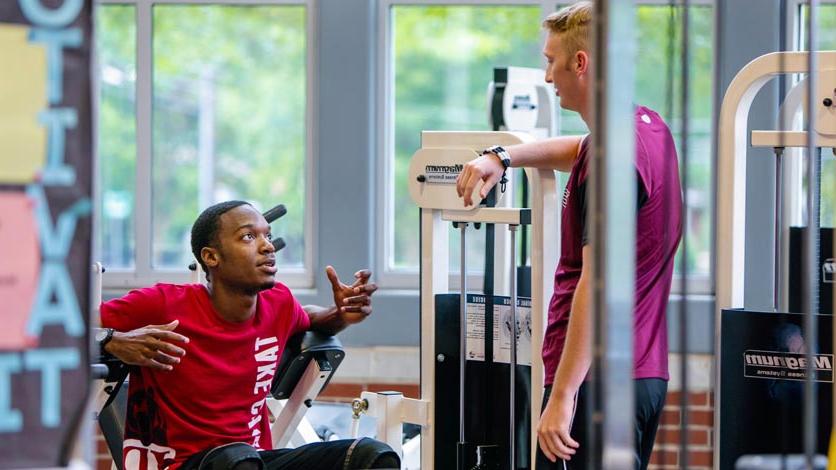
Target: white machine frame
(731, 168)
(393, 409)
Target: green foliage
(659, 85)
(443, 61)
(827, 41)
(242, 67)
(116, 43)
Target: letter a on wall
(45, 228)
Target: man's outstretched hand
(353, 302)
(150, 346)
(487, 168)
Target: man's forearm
(577, 351)
(325, 319)
(557, 153)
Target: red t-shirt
(216, 394)
(658, 230)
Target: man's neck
(586, 115)
(232, 305)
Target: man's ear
(581, 62)
(210, 256)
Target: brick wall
(345, 392)
(103, 460)
(666, 452)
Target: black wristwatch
(103, 336)
(504, 158)
(500, 152)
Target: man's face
(562, 72)
(246, 258)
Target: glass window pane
(116, 133)
(229, 119)
(658, 85)
(443, 61)
(827, 42)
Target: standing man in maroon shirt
(567, 352)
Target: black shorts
(346, 454)
(650, 399)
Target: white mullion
(385, 223)
(143, 223)
(311, 149)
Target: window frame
(144, 273)
(407, 278)
(794, 174)
(391, 278)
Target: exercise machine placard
(501, 329)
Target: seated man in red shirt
(200, 403)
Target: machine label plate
(442, 174)
(786, 366)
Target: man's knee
(369, 453)
(236, 456)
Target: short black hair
(205, 228)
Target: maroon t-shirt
(658, 230)
(216, 394)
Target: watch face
(101, 334)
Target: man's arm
(556, 420)
(324, 319)
(150, 346)
(141, 337)
(557, 153)
(352, 304)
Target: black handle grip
(278, 243)
(275, 213)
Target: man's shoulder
(279, 292)
(170, 289)
(165, 292)
(652, 133)
(648, 121)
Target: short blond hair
(572, 23)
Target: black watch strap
(103, 340)
(500, 152)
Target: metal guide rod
(683, 304)
(810, 292)
(513, 365)
(462, 327)
(811, 252)
(779, 229)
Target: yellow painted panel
(22, 97)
